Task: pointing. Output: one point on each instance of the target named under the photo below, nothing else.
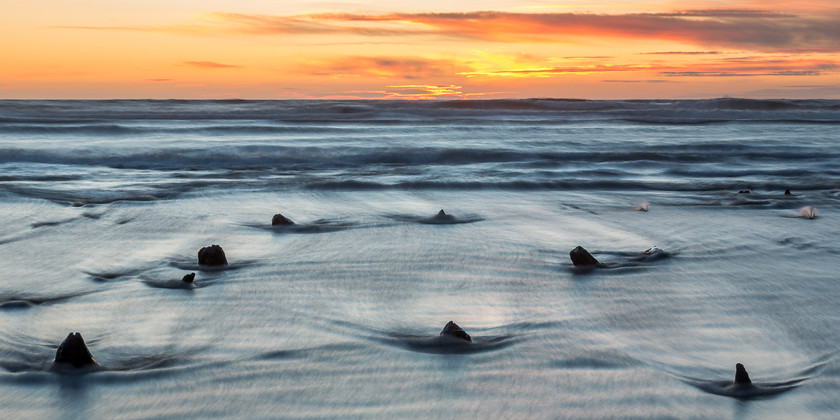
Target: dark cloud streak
(735, 28)
(734, 74)
(716, 28)
(681, 53)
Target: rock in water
(443, 216)
(280, 220)
(212, 255)
(787, 191)
(653, 251)
(188, 278)
(453, 330)
(808, 212)
(74, 351)
(741, 376)
(581, 256)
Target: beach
(105, 205)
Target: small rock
(741, 376)
(443, 216)
(653, 251)
(212, 255)
(188, 278)
(74, 351)
(280, 220)
(453, 330)
(580, 256)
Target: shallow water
(105, 205)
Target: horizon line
(545, 98)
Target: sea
(715, 224)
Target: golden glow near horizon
(611, 49)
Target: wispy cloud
(426, 91)
(755, 66)
(730, 28)
(418, 92)
(681, 53)
(408, 68)
(638, 81)
(735, 66)
(553, 71)
(209, 65)
(740, 74)
(755, 29)
(727, 13)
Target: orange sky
(611, 49)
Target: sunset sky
(262, 49)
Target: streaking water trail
(701, 216)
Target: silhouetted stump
(188, 278)
(74, 351)
(212, 255)
(453, 330)
(741, 376)
(280, 220)
(581, 256)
